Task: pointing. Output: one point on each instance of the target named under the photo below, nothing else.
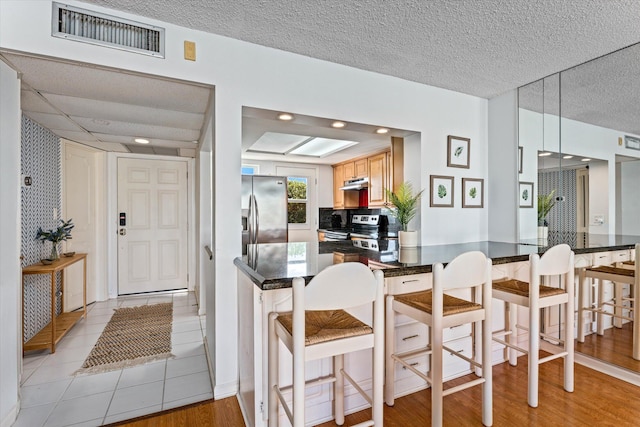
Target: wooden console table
(49, 336)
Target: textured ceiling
(479, 47)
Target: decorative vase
(543, 232)
(408, 255)
(408, 239)
(54, 252)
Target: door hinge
(261, 407)
(260, 298)
(187, 278)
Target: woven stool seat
(613, 270)
(518, 287)
(424, 301)
(329, 325)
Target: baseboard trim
(220, 391)
(11, 416)
(212, 377)
(623, 374)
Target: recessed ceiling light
(141, 140)
(285, 116)
(586, 159)
(544, 154)
(338, 124)
(382, 130)
(567, 157)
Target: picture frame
(520, 152)
(458, 154)
(472, 193)
(525, 194)
(441, 191)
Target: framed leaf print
(472, 193)
(458, 152)
(526, 194)
(441, 191)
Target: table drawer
(411, 336)
(406, 284)
(452, 365)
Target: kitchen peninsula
(266, 273)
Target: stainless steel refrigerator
(264, 209)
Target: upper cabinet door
(349, 171)
(338, 181)
(378, 180)
(361, 169)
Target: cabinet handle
(411, 364)
(409, 281)
(410, 337)
(453, 327)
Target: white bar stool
(558, 260)
(436, 309)
(626, 273)
(319, 327)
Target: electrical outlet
(598, 219)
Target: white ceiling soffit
(482, 48)
(259, 123)
(107, 109)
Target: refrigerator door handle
(250, 219)
(257, 219)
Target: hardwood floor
(614, 347)
(598, 399)
(210, 413)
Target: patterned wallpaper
(40, 157)
(563, 216)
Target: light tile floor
(52, 396)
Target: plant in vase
(406, 206)
(62, 233)
(545, 203)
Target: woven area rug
(133, 336)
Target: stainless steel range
(361, 227)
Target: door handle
(123, 232)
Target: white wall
(599, 196)
(630, 203)
(251, 75)
(501, 188)
(10, 282)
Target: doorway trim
(112, 216)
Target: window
(298, 199)
(250, 169)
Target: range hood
(356, 184)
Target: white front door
(152, 225)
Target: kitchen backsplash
(327, 217)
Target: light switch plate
(189, 50)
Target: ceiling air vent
(87, 26)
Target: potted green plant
(62, 233)
(545, 203)
(406, 206)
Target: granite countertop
(274, 265)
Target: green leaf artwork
(458, 152)
(473, 192)
(525, 195)
(442, 191)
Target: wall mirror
(579, 136)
